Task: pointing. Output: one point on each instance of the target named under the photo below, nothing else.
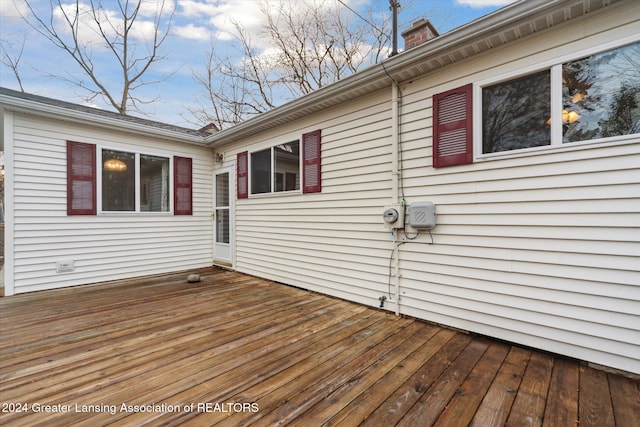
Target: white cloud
(13, 9)
(484, 3)
(222, 15)
(192, 32)
(195, 8)
(151, 7)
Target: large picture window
(591, 98)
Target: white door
(223, 218)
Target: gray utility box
(422, 215)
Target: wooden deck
(236, 350)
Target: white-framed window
(293, 167)
(591, 98)
(275, 169)
(134, 182)
(109, 180)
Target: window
(601, 95)
(125, 181)
(278, 169)
(515, 113)
(134, 182)
(118, 181)
(154, 184)
(594, 97)
(287, 166)
(261, 171)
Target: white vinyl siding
(540, 248)
(326, 240)
(106, 246)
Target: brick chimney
(420, 32)
(210, 128)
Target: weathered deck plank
(464, 404)
(247, 351)
(595, 399)
(496, 405)
(529, 405)
(361, 408)
(562, 400)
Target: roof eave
(10, 103)
(379, 75)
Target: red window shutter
(81, 178)
(452, 127)
(182, 186)
(311, 171)
(242, 175)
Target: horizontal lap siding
(331, 242)
(104, 247)
(541, 248)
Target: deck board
(562, 400)
(248, 351)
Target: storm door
(223, 218)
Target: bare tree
(302, 46)
(88, 31)
(12, 59)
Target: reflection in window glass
(154, 184)
(601, 95)
(118, 181)
(287, 166)
(514, 113)
(261, 171)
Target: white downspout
(395, 180)
(395, 174)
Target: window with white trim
(591, 98)
(124, 181)
(275, 169)
(134, 182)
(515, 112)
(288, 167)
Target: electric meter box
(393, 216)
(422, 215)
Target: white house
(521, 130)
(92, 195)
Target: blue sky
(196, 25)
